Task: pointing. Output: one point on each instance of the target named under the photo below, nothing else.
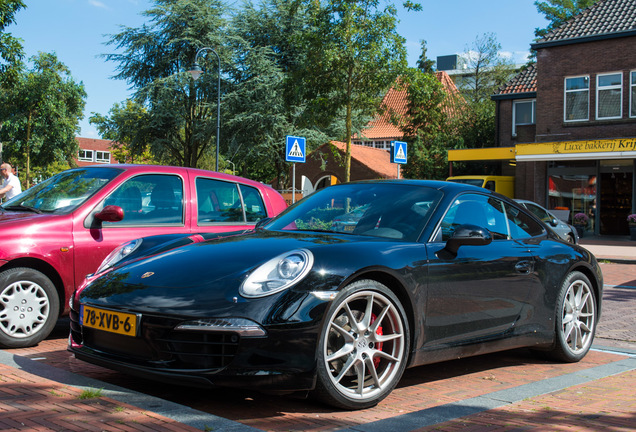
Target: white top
(16, 188)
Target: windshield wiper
(23, 207)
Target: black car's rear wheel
(576, 318)
(363, 347)
(29, 307)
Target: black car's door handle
(523, 267)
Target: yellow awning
(491, 153)
(573, 150)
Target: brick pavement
(33, 402)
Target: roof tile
(524, 82)
(604, 17)
(394, 104)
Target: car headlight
(120, 252)
(278, 274)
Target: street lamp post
(196, 73)
(233, 166)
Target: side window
(254, 206)
(520, 224)
(152, 199)
(481, 210)
(539, 212)
(218, 201)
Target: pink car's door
(153, 204)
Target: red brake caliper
(376, 361)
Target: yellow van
(504, 185)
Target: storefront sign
(551, 149)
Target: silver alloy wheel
(364, 346)
(25, 309)
(577, 324)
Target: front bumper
(282, 361)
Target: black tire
(29, 307)
(358, 346)
(576, 319)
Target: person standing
(11, 184)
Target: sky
(77, 31)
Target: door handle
(523, 267)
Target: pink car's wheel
(29, 307)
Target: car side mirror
(111, 213)
(554, 222)
(468, 235)
(262, 222)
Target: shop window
(575, 193)
(523, 113)
(85, 155)
(609, 96)
(577, 98)
(632, 94)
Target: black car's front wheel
(29, 307)
(363, 348)
(576, 318)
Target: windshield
(63, 192)
(390, 210)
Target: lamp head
(196, 71)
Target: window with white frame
(102, 157)
(609, 96)
(523, 112)
(632, 94)
(577, 98)
(85, 155)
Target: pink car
(59, 231)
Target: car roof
(140, 168)
(445, 186)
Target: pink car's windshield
(63, 192)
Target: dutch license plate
(110, 321)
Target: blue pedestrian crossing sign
(295, 149)
(398, 152)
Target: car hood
(200, 276)
(22, 217)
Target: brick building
(94, 151)
(570, 119)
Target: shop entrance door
(616, 202)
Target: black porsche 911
(340, 293)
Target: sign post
(295, 151)
(398, 154)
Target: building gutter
(506, 96)
(583, 39)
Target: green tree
(557, 12)
(41, 114)
(356, 55)
(428, 126)
(266, 96)
(128, 127)
(425, 64)
(488, 71)
(182, 112)
(11, 52)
